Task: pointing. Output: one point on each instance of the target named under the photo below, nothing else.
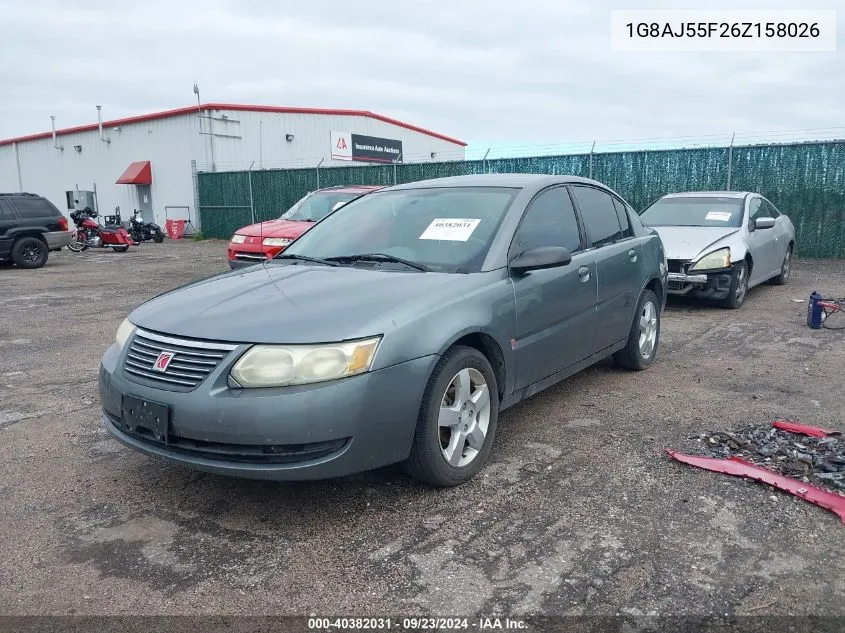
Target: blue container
(814, 311)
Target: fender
(456, 318)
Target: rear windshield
(703, 211)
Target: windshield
(315, 206)
(704, 211)
(443, 229)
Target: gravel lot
(579, 512)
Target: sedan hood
(689, 242)
(302, 303)
(276, 228)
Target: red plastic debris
(803, 429)
(740, 468)
(175, 228)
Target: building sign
(346, 146)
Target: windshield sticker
(453, 229)
(719, 216)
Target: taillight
(63, 223)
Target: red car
(254, 243)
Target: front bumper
(706, 285)
(307, 432)
(57, 239)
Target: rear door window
(599, 215)
(622, 214)
(6, 212)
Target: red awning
(139, 173)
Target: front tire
(29, 252)
(785, 268)
(641, 349)
(739, 287)
(457, 421)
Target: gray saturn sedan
(395, 330)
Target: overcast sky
(499, 73)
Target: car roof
(520, 181)
(350, 188)
(709, 194)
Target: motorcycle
(141, 231)
(91, 234)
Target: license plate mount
(145, 417)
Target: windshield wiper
(305, 259)
(379, 257)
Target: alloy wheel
(648, 329)
(787, 264)
(31, 254)
(741, 284)
(464, 417)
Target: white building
(149, 162)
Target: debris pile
(816, 460)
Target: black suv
(30, 226)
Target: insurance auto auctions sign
(347, 146)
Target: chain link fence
(804, 180)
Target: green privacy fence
(806, 180)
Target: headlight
(237, 238)
(283, 365)
(716, 259)
(276, 241)
(124, 331)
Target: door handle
(632, 254)
(584, 273)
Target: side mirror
(542, 257)
(764, 223)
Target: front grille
(250, 257)
(677, 265)
(192, 361)
(243, 453)
(248, 453)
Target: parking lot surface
(578, 512)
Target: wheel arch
(27, 232)
(490, 348)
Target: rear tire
(29, 252)
(643, 339)
(457, 421)
(120, 249)
(739, 287)
(785, 269)
(158, 237)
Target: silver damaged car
(721, 243)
